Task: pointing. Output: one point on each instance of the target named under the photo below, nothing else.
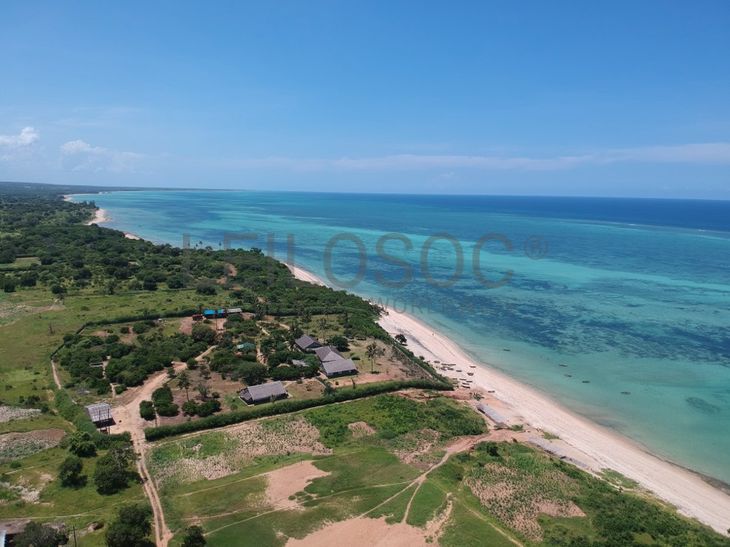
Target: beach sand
(587, 444)
(100, 216)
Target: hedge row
(287, 406)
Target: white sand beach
(100, 216)
(590, 445)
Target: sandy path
(56, 377)
(595, 447)
(128, 420)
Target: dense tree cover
(131, 528)
(38, 535)
(129, 364)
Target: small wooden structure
(101, 415)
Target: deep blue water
(632, 295)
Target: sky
(522, 98)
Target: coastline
(589, 445)
(100, 217)
(585, 443)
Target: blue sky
(562, 98)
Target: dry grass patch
(360, 430)
(519, 495)
(222, 453)
(418, 448)
(14, 446)
(8, 413)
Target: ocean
(617, 308)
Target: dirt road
(127, 419)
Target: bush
(203, 333)
(167, 409)
(131, 528)
(37, 535)
(194, 537)
(81, 444)
(69, 473)
(112, 473)
(147, 410)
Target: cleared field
(399, 471)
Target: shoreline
(101, 216)
(589, 445)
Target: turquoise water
(632, 297)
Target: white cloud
(697, 154)
(14, 146)
(81, 156)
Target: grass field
(32, 325)
(79, 507)
(492, 494)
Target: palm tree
(183, 382)
(373, 351)
(204, 390)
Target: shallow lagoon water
(620, 309)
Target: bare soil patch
(285, 482)
(363, 532)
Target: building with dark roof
(307, 343)
(338, 367)
(327, 353)
(263, 393)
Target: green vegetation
(69, 473)
(112, 311)
(131, 528)
(287, 406)
(113, 472)
(37, 535)
(393, 416)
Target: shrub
(194, 537)
(131, 528)
(81, 444)
(147, 410)
(35, 535)
(112, 472)
(69, 473)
